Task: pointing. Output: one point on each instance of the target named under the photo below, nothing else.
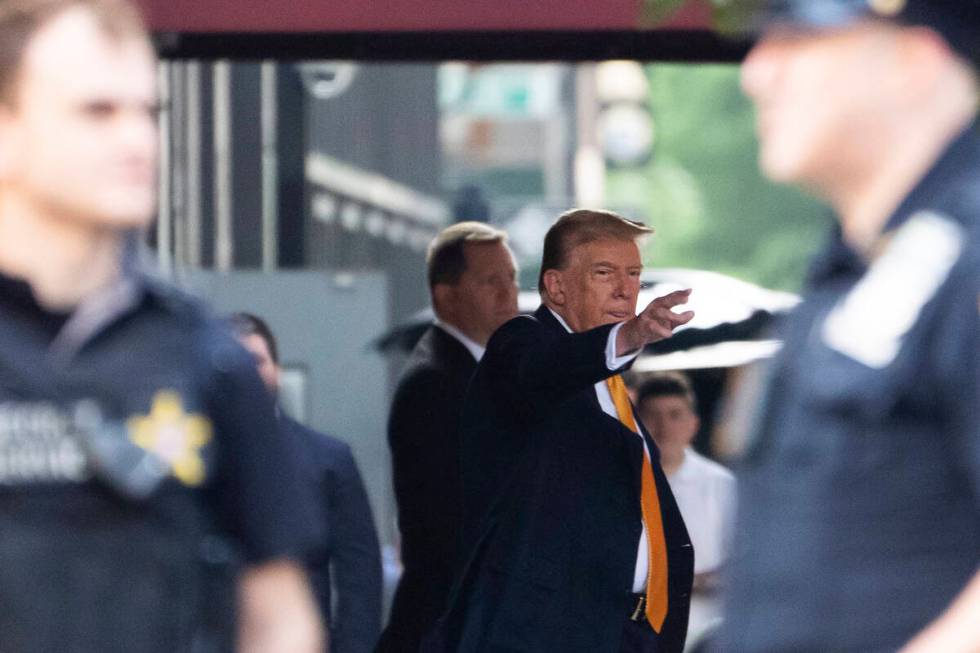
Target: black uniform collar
(959, 162)
(836, 259)
(17, 297)
(67, 331)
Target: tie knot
(616, 384)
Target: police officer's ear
(9, 140)
(554, 286)
(924, 58)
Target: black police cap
(957, 21)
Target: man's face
(600, 284)
(670, 421)
(79, 137)
(818, 96)
(486, 294)
(267, 368)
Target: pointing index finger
(675, 298)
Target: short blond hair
(580, 226)
(446, 257)
(20, 20)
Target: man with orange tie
(573, 540)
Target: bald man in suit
(472, 279)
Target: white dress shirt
(614, 362)
(705, 495)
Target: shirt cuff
(614, 362)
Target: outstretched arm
(529, 368)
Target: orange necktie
(656, 608)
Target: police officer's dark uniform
(860, 498)
(136, 471)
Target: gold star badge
(173, 435)
(887, 8)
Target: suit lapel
(633, 449)
(654, 449)
(632, 455)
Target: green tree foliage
(701, 188)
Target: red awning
(310, 16)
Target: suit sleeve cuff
(614, 362)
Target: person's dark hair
(446, 257)
(580, 226)
(247, 324)
(21, 19)
(667, 384)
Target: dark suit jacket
(552, 503)
(423, 432)
(350, 547)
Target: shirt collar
(686, 468)
(561, 320)
(476, 350)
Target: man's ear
(442, 298)
(554, 287)
(278, 369)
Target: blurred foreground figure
(859, 526)
(137, 478)
(348, 556)
(472, 281)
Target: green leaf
(655, 12)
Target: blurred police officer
(135, 467)
(860, 504)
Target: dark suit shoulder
(522, 326)
(542, 329)
(535, 360)
(439, 363)
(438, 350)
(322, 447)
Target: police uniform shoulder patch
(870, 322)
(37, 445)
(173, 435)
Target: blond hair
(446, 257)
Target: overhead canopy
(409, 15)
(438, 29)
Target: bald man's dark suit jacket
(552, 504)
(423, 432)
